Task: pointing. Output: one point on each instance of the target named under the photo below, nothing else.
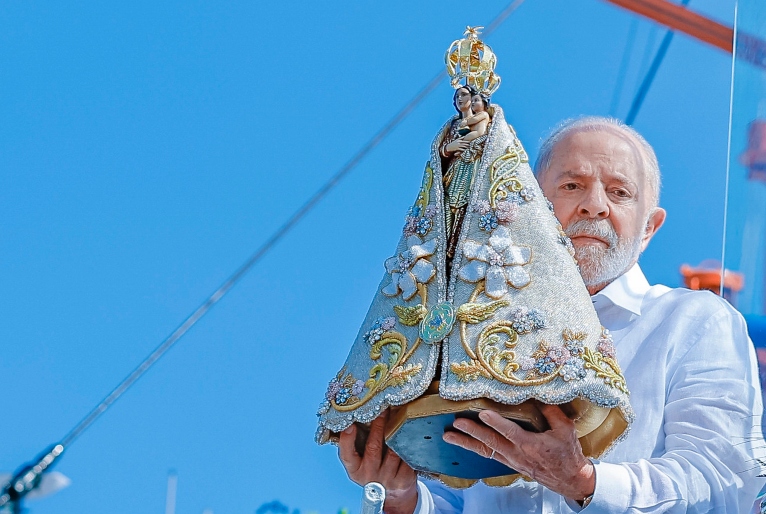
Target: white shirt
(691, 370)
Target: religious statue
(461, 152)
(481, 307)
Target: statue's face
(463, 99)
(601, 195)
(477, 104)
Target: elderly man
(686, 357)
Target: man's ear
(653, 224)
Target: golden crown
(470, 59)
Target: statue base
(414, 431)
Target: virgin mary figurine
(481, 306)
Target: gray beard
(599, 265)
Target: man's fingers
(556, 417)
(404, 471)
(505, 427)
(390, 465)
(467, 442)
(488, 436)
(348, 455)
(373, 450)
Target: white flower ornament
(410, 268)
(499, 263)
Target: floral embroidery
(410, 268)
(488, 222)
(342, 389)
(424, 225)
(357, 388)
(575, 347)
(527, 194)
(573, 370)
(526, 320)
(379, 327)
(498, 263)
(389, 352)
(342, 395)
(482, 207)
(559, 354)
(563, 360)
(415, 224)
(504, 213)
(545, 366)
(574, 343)
(606, 345)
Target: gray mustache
(597, 228)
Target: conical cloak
(514, 321)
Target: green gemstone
(437, 323)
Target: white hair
(598, 124)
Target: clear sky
(147, 148)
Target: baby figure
(476, 125)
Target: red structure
(677, 17)
(708, 276)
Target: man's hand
(378, 465)
(553, 458)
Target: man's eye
(621, 193)
(569, 186)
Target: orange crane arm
(681, 19)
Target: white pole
(170, 497)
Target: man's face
(599, 193)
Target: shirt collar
(627, 291)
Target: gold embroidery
(493, 351)
(425, 189)
(478, 312)
(385, 374)
(568, 336)
(395, 372)
(466, 371)
(394, 340)
(502, 173)
(410, 315)
(605, 368)
(494, 356)
(402, 374)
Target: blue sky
(146, 149)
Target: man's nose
(594, 204)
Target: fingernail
(484, 415)
(349, 430)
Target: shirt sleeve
(712, 424)
(438, 499)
